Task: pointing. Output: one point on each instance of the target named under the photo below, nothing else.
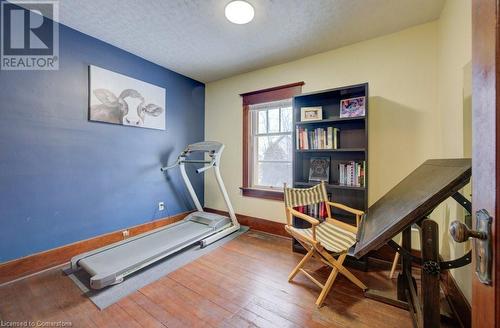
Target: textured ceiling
(193, 37)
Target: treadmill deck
(141, 250)
(110, 264)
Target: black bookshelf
(344, 150)
(352, 146)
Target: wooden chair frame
(315, 249)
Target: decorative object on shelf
(319, 169)
(311, 113)
(352, 107)
(119, 99)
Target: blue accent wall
(65, 179)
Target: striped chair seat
(331, 237)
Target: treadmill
(110, 264)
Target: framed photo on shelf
(352, 107)
(319, 169)
(311, 114)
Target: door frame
(485, 138)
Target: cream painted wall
(454, 54)
(454, 104)
(404, 128)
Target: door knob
(460, 232)
(482, 243)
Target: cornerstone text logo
(29, 35)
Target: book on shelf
(319, 138)
(317, 211)
(352, 173)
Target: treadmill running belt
(128, 255)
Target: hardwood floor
(241, 284)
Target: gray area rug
(112, 294)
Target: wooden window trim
(262, 193)
(272, 94)
(257, 97)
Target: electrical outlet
(125, 233)
(161, 206)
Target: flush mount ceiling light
(239, 12)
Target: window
(267, 140)
(270, 144)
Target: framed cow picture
(119, 99)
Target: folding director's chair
(324, 240)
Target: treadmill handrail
(191, 161)
(215, 158)
(214, 150)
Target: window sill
(262, 193)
